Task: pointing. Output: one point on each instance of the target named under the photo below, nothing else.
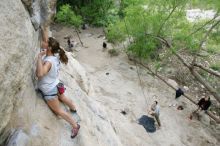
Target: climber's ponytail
(55, 48)
(63, 57)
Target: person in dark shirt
(68, 42)
(203, 104)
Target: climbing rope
(141, 84)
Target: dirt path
(117, 87)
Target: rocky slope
(25, 119)
(116, 87)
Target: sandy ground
(117, 87)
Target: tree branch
(161, 39)
(205, 37)
(168, 17)
(182, 60)
(208, 32)
(199, 78)
(198, 29)
(209, 70)
(194, 72)
(206, 84)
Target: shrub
(113, 52)
(67, 16)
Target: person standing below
(203, 105)
(47, 71)
(155, 111)
(70, 45)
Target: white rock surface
(99, 98)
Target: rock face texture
(18, 45)
(26, 120)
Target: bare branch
(209, 70)
(161, 39)
(182, 60)
(206, 84)
(199, 78)
(208, 32)
(194, 72)
(198, 29)
(168, 17)
(206, 36)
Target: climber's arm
(44, 44)
(42, 68)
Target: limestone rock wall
(19, 40)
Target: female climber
(48, 64)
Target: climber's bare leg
(54, 106)
(67, 101)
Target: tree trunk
(185, 95)
(206, 84)
(215, 73)
(79, 37)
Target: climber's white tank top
(50, 80)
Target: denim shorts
(51, 94)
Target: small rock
(101, 35)
(88, 34)
(123, 112)
(185, 88)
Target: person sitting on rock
(47, 71)
(203, 104)
(155, 111)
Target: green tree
(67, 16)
(96, 12)
(154, 24)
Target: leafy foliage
(67, 16)
(96, 12)
(99, 12)
(147, 22)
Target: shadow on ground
(148, 123)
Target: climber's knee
(60, 112)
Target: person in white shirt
(155, 111)
(47, 72)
